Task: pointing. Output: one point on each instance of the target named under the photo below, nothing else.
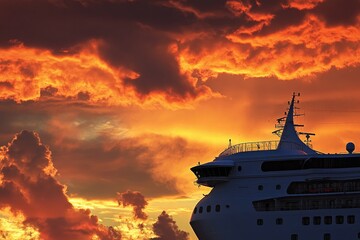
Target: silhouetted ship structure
(279, 190)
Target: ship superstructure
(279, 190)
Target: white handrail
(250, 146)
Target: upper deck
(250, 147)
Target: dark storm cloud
(166, 229)
(123, 27)
(45, 24)
(338, 12)
(28, 186)
(134, 199)
(283, 19)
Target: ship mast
(289, 139)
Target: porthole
(279, 221)
(305, 220)
(260, 222)
(278, 187)
(227, 206)
(294, 237)
(208, 208)
(339, 219)
(239, 168)
(328, 220)
(260, 187)
(317, 220)
(358, 235)
(200, 209)
(327, 236)
(351, 219)
(217, 208)
(195, 210)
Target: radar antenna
(280, 122)
(307, 135)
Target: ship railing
(249, 147)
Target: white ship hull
(238, 221)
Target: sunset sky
(105, 105)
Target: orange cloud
(294, 52)
(303, 4)
(38, 74)
(28, 187)
(27, 73)
(239, 7)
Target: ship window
(279, 221)
(286, 165)
(339, 219)
(305, 220)
(351, 219)
(195, 210)
(346, 162)
(260, 222)
(317, 220)
(211, 171)
(200, 209)
(208, 208)
(328, 220)
(278, 187)
(359, 235)
(239, 168)
(294, 237)
(217, 208)
(260, 187)
(227, 206)
(327, 236)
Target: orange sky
(120, 98)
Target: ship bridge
(212, 173)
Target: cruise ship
(279, 190)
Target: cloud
(120, 54)
(136, 200)
(108, 145)
(303, 4)
(166, 229)
(132, 62)
(28, 186)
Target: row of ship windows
(329, 220)
(329, 186)
(324, 186)
(208, 209)
(287, 165)
(308, 203)
(327, 236)
(261, 187)
(316, 220)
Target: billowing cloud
(28, 186)
(134, 199)
(279, 41)
(116, 53)
(33, 74)
(166, 229)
